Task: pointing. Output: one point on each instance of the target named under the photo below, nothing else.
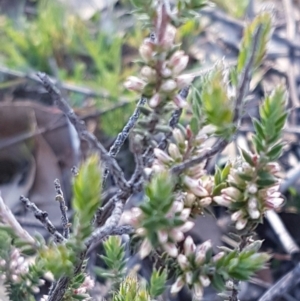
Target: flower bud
(155, 100)
(189, 246)
(185, 213)
(218, 256)
(205, 201)
(232, 192)
(175, 58)
(254, 213)
(148, 74)
(146, 52)
(273, 168)
(145, 249)
(162, 156)
(179, 101)
(166, 72)
(252, 188)
(178, 136)
(177, 206)
(184, 80)
(187, 226)
(221, 201)
(198, 291)
(182, 63)
(168, 86)
(237, 215)
(174, 151)
(135, 84)
(171, 249)
(162, 236)
(169, 37)
(195, 187)
(241, 224)
(204, 281)
(189, 277)
(189, 200)
(183, 262)
(177, 286)
(176, 235)
(141, 231)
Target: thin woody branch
(42, 216)
(115, 148)
(80, 127)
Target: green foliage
(233, 7)
(86, 196)
(66, 47)
(157, 283)
(58, 259)
(114, 259)
(263, 21)
(268, 130)
(217, 105)
(159, 200)
(240, 265)
(131, 290)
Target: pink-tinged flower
(221, 201)
(189, 246)
(178, 136)
(168, 86)
(205, 201)
(184, 80)
(179, 101)
(176, 235)
(254, 213)
(189, 277)
(205, 281)
(166, 72)
(169, 37)
(199, 258)
(196, 172)
(218, 256)
(275, 202)
(208, 184)
(162, 156)
(237, 215)
(198, 291)
(155, 100)
(158, 168)
(252, 204)
(178, 68)
(145, 249)
(174, 151)
(185, 213)
(187, 226)
(195, 187)
(146, 52)
(175, 58)
(162, 236)
(171, 249)
(183, 262)
(148, 74)
(232, 192)
(273, 168)
(177, 286)
(252, 188)
(135, 84)
(233, 177)
(189, 199)
(241, 224)
(177, 206)
(141, 231)
(204, 247)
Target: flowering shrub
(170, 170)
